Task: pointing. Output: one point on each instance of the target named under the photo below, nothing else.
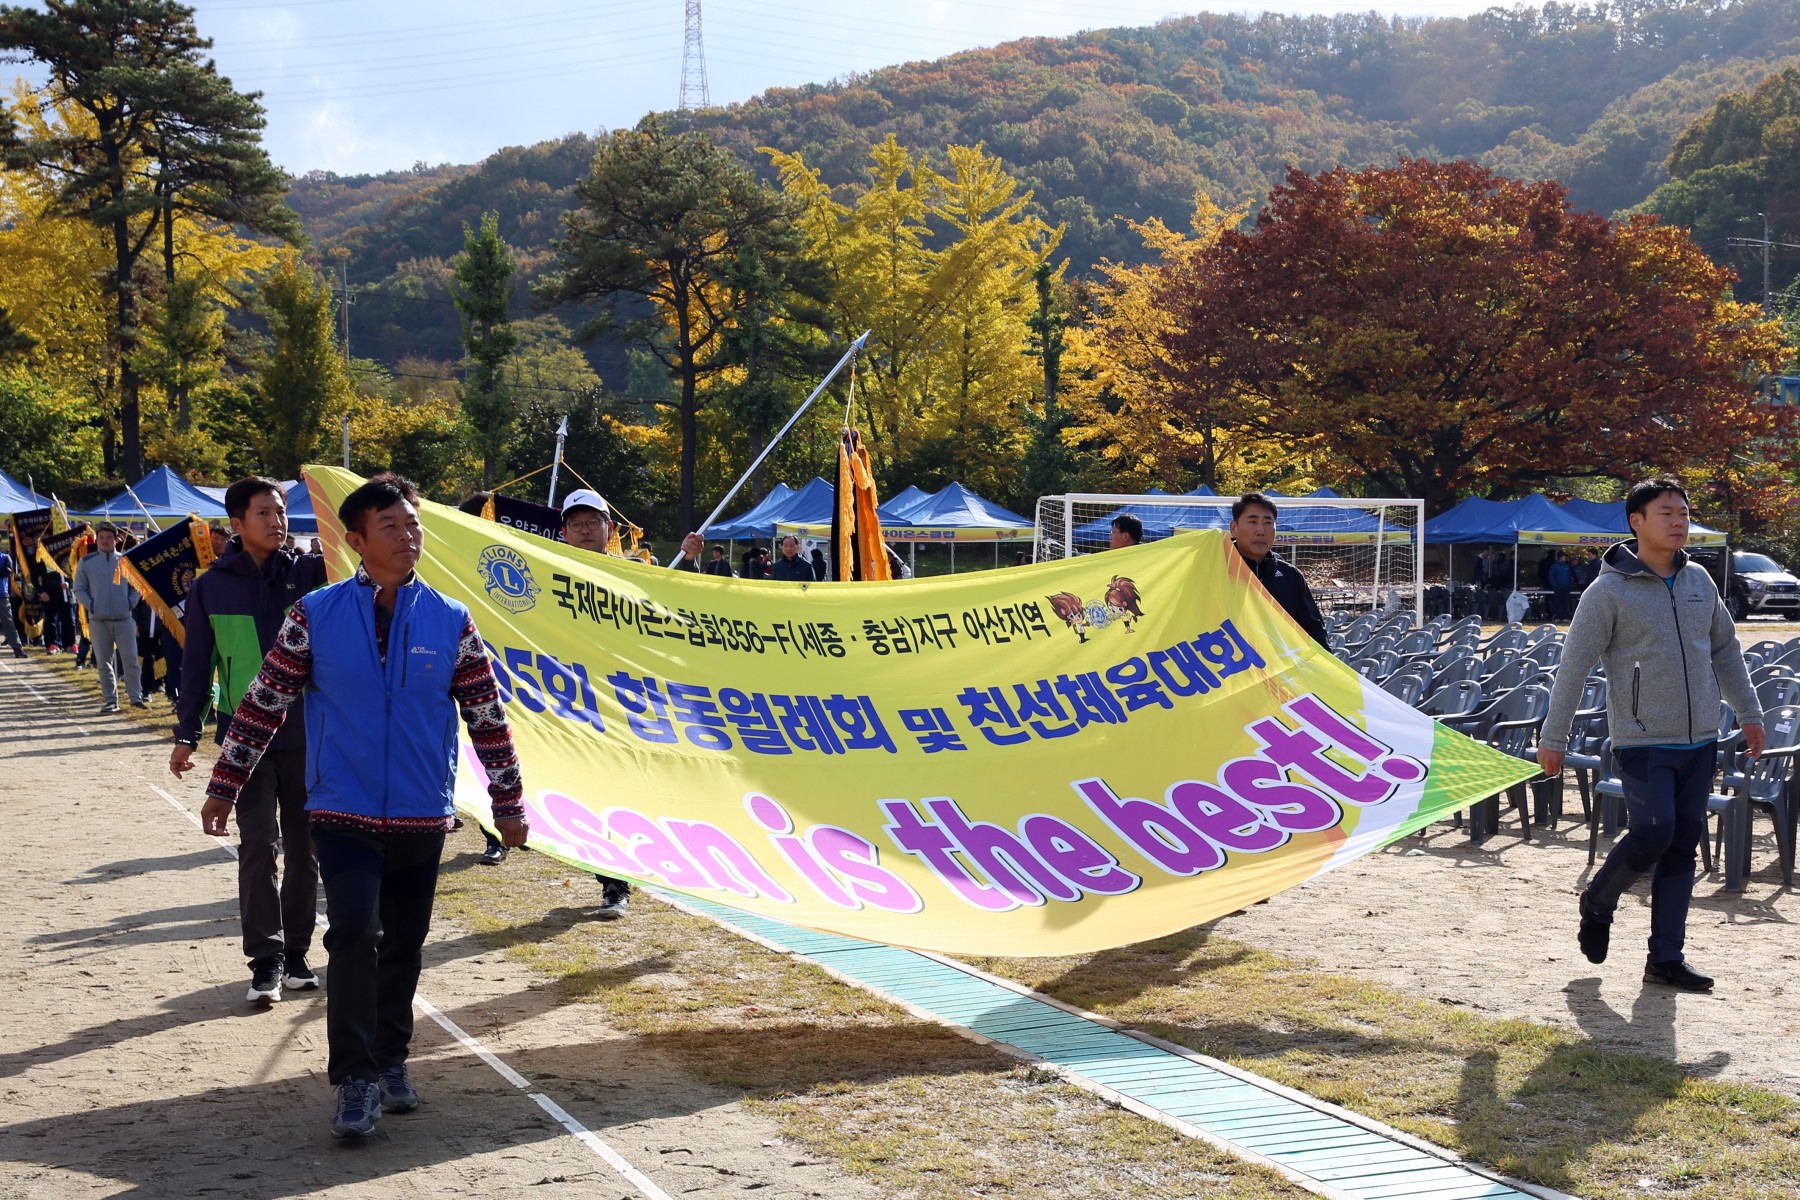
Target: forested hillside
(1129, 123)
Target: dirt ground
(130, 1063)
(1493, 927)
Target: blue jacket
(381, 737)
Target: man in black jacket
(790, 565)
(1253, 533)
(234, 610)
(719, 565)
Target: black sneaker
(397, 1093)
(494, 855)
(1677, 974)
(615, 899)
(265, 981)
(1596, 930)
(299, 976)
(140, 704)
(107, 710)
(358, 1108)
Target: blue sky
(373, 85)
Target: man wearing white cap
(588, 525)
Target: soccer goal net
(1357, 554)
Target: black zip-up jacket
(795, 570)
(232, 616)
(1285, 582)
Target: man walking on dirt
(588, 525)
(1655, 619)
(110, 606)
(388, 664)
(233, 612)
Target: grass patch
(905, 1103)
(1534, 1101)
(920, 1111)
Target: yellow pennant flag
(1044, 760)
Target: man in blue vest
(386, 664)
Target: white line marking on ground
(26, 684)
(557, 1112)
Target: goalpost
(1359, 554)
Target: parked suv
(1759, 584)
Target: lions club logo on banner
(506, 576)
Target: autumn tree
(665, 217)
(14, 342)
(483, 294)
(1134, 408)
(134, 69)
(939, 266)
(1434, 327)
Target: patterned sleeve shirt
(287, 669)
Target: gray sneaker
(358, 1108)
(397, 1094)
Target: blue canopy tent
(301, 517)
(161, 495)
(956, 514)
(894, 510)
(1531, 520)
(952, 515)
(1611, 517)
(759, 520)
(16, 497)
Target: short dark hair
(1129, 525)
(382, 491)
(239, 495)
(1643, 494)
(473, 503)
(1251, 500)
(718, 549)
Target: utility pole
(1767, 243)
(693, 65)
(344, 281)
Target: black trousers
(59, 623)
(277, 917)
(379, 889)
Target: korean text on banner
(1043, 760)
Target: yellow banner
(1042, 760)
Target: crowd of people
(298, 678)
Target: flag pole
(849, 355)
(143, 508)
(562, 434)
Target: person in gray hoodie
(1671, 654)
(109, 608)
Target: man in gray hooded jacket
(1657, 622)
(110, 602)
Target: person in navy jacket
(386, 664)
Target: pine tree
(167, 132)
(664, 219)
(483, 293)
